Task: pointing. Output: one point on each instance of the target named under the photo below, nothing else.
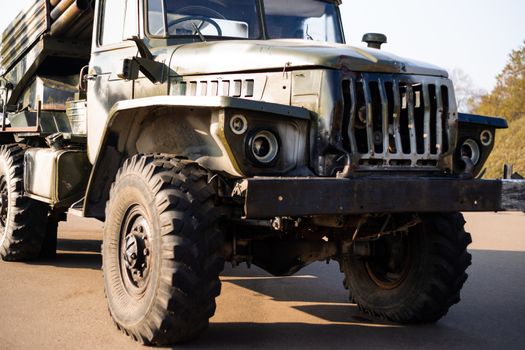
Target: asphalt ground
(60, 304)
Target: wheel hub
(389, 270)
(133, 255)
(135, 251)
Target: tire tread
(442, 285)
(27, 220)
(190, 248)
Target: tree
(468, 95)
(508, 97)
(509, 149)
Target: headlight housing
(265, 143)
(476, 136)
(262, 147)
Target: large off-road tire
(412, 277)
(161, 248)
(22, 219)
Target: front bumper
(269, 197)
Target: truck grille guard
(398, 121)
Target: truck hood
(238, 56)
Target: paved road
(60, 304)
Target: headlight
(470, 149)
(238, 124)
(486, 138)
(263, 147)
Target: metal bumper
(271, 197)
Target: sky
(475, 36)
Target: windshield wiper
(198, 31)
(308, 36)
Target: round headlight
(264, 147)
(238, 124)
(470, 149)
(486, 137)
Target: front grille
(392, 120)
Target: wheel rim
(391, 268)
(135, 253)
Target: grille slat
(369, 118)
(397, 120)
(426, 134)
(411, 118)
(439, 123)
(353, 113)
(384, 116)
(444, 120)
(397, 116)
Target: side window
(111, 30)
(156, 17)
(131, 21)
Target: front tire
(161, 258)
(414, 277)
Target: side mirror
(142, 47)
(146, 64)
(375, 40)
(130, 69)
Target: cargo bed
(64, 21)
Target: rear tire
(22, 219)
(418, 275)
(161, 258)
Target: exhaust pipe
(54, 2)
(69, 16)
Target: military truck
(244, 131)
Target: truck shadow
(75, 254)
(77, 261)
(333, 336)
(79, 245)
(488, 316)
(317, 283)
(78, 253)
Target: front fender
(190, 127)
(481, 120)
(477, 130)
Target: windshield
(297, 19)
(220, 18)
(302, 19)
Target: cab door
(115, 21)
